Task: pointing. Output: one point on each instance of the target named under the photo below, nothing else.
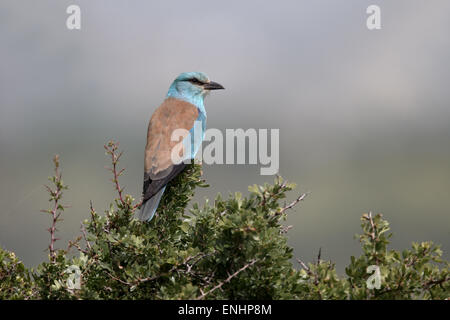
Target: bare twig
(373, 235)
(304, 266)
(76, 244)
(316, 274)
(285, 229)
(372, 225)
(111, 148)
(292, 204)
(137, 205)
(118, 279)
(203, 295)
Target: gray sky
(363, 115)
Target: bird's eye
(195, 81)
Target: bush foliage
(234, 248)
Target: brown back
(172, 114)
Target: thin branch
(316, 274)
(372, 225)
(118, 279)
(373, 235)
(304, 266)
(137, 205)
(292, 204)
(55, 212)
(111, 148)
(203, 295)
(285, 229)
(83, 230)
(76, 244)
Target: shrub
(233, 248)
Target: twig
(372, 225)
(373, 236)
(83, 230)
(111, 148)
(316, 274)
(304, 266)
(285, 229)
(118, 279)
(137, 205)
(292, 204)
(311, 273)
(76, 244)
(203, 295)
(57, 209)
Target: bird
(183, 108)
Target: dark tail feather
(148, 209)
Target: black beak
(213, 86)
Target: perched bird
(183, 108)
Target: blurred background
(364, 116)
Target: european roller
(184, 109)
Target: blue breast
(197, 134)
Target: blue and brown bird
(183, 108)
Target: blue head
(192, 87)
